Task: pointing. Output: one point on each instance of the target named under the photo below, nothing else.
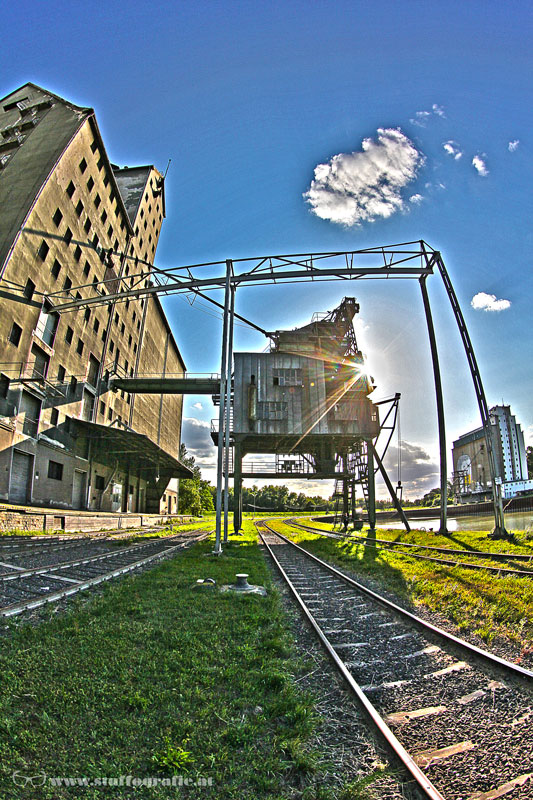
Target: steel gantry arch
(408, 260)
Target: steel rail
(52, 597)
(446, 561)
(9, 576)
(423, 783)
(524, 675)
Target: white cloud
(420, 118)
(420, 472)
(513, 145)
(488, 302)
(359, 187)
(416, 199)
(196, 437)
(479, 163)
(528, 435)
(453, 149)
(438, 110)
(199, 406)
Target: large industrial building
(471, 476)
(70, 220)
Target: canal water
(517, 521)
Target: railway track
(385, 544)
(23, 588)
(456, 717)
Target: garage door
(21, 475)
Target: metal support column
(390, 487)
(499, 520)
(371, 499)
(228, 412)
(345, 485)
(221, 411)
(237, 488)
(440, 409)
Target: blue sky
(247, 99)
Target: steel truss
(407, 260)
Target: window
(69, 334)
(73, 385)
(122, 328)
(110, 413)
(56, 268)
(271, 409)
(15, 334)
(54, 416)
(55, 470)
(96, 325)
(79, 208)
(87, 314)
(88, 225)
(90, 184)
(70, 189)
(61, 372)
(111, 346)
(287, 377)
(99, 483)
(94, 147)
(106, 180)
(117, 318)
(4, 386)
(77, 253)
(126, 365)
(102, 408)
(110, 231)
(86, 269)
(130, 337)
(43, 250)
(29, 289)
(100, 163)
(79, 347)
(40, 361)
(47, 324)
(67, 238)
(97, 201)
(103, 215)
(58, 216)
(67, 286)
(83, 166)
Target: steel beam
(390, 487)
(227, 406)
(221, 416)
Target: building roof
(132, 183)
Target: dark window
(110, 413)
(95, 243)
(110, 231)
(61, 372)
(87, 314)
(103, 216)
(4, 386)
(56, 268)
(77, 253)
(69, 334)
(70, 189)
(83, 166)
(79, 208)
(102, 408)
(67, 238)
(94, 369)
(58, 216)
(54, 416)
(86, 269)
(94, 147)
(122, 328)
(135, 347)
(117, 318)
(96, 325)
(88, 225)
(90, 184)
(40, 361)
(100, 163)
(55, 470)
(106, 180)
(126, 365)
(79, 347)
(29, 289)
(73, 385)
(111, 346)
(99, 483)
(15, 334)
(67, 286)
(130, 337)
(43, 250)
(127, 304)
(134, 317)
(97, 201)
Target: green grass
(155, 678)
(476, 601)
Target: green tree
(529, 454)
(194, 494)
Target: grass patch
(476, 601)
(155, 678)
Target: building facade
(73, 225)
(471, 476)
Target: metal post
(371, 502)
(440, 410)
(345, 502)
(220, 449)
(499, 519)
(227, 407)
(237, 488)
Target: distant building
(71, 220)
(471, 476)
